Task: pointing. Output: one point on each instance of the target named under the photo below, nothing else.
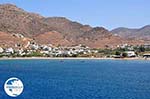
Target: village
(33, 49)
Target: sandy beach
(71, 58)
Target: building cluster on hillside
(34, 49)
(47, 50)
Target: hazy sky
(107, 13)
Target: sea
(78, 79)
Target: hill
(137, 34)
(53, 30)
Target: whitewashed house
(130, 53)
(46, 48)
(44, 52)
(9, 50)
(34, 47)
(1, 50)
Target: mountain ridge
(54, 30)
(142, 33)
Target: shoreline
(69, 58)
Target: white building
(46, 48)
(9, 50)
(34, 47)
(146, 45)
(20, 52)
(44, 52)
(130, 53)
(1, 50)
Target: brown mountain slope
(137, 34)
(77, 33)
(52, 37)
(100, 37)
(9, 40)
(16, 20)
(70, 30)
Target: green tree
(117, 53)
(124, 55)
(141, 49)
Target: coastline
(69, 58)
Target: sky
(106, 13)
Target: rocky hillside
(12, 40)
(16, 20)
(142, 33)
(54, 30)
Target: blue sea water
(78, 79)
